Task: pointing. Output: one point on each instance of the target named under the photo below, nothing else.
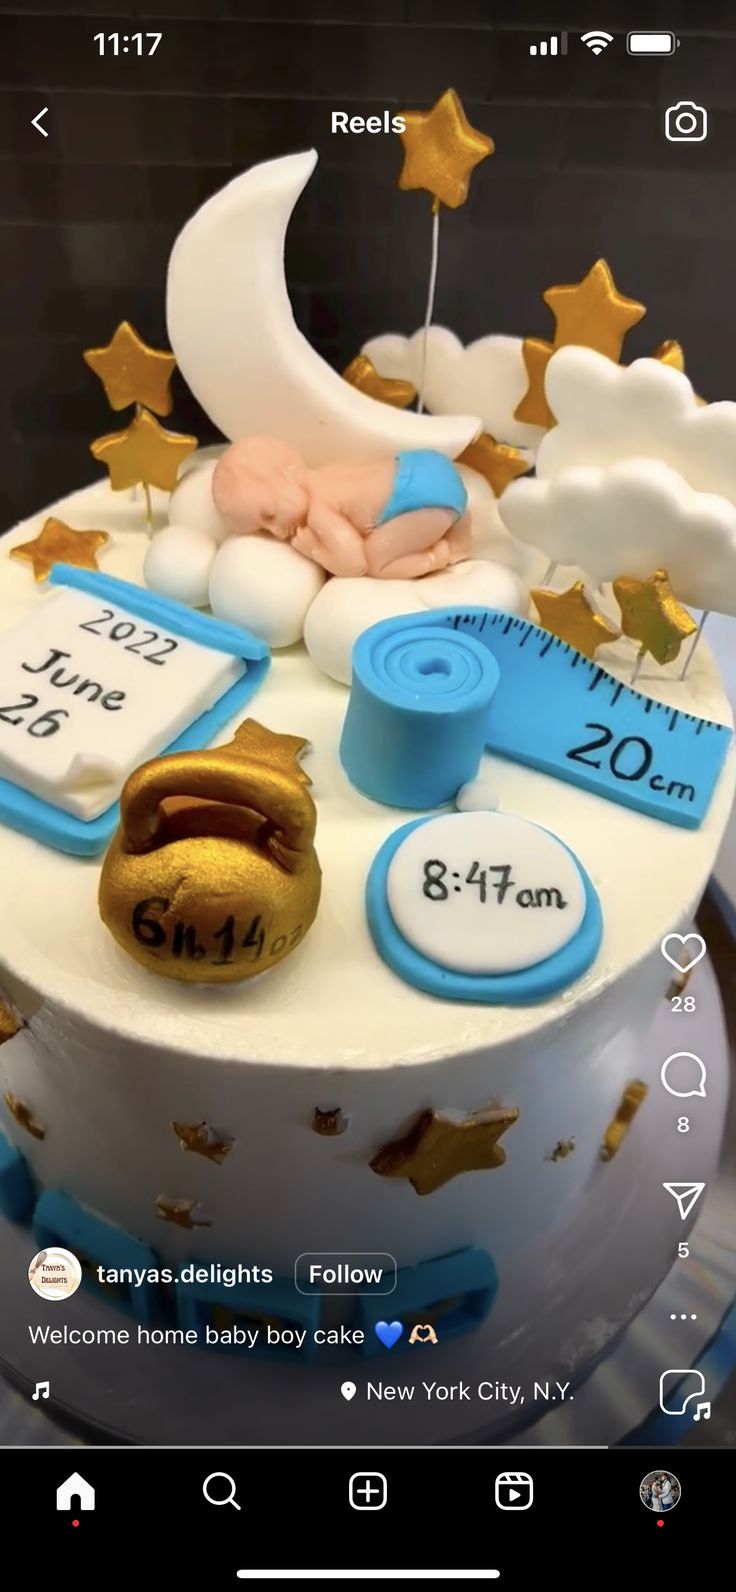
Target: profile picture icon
(54, 1274)
(660, 1491)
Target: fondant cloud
(607, 412)
(631, 518)
(488, 378)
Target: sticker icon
(54, 1274)
(675, 1394)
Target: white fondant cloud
(607, 412)
(488, 378)
(631, 518)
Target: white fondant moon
(192, 503)
(178, 564)
(237, 345)
(450, 898)
(345, 608)
(477, 796)
(265, 586)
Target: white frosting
(113, 1055)
(95, 693)
(266, 586)
(484, 892)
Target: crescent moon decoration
(232, 329)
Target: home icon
(75, 1493)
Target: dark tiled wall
(87, 216)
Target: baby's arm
(338, 547)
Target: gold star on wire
(533, 407)
(10, 1025)
(496, 461)
(131, 372)
(362, 373)
(571, 616)
(183, 1213)
(593, 312)
(144, 452)
(441, 149)
(670, 353)
(651, 614)
(440, 1147)
(24, 1116)
(201, 1139)
(58, 543)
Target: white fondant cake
(109, 1056)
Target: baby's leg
(459, 540)
(413, 565)
(416, 534)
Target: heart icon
(389, 1332)
(699, 949)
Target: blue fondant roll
(417, 718)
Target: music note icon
(704, 1409)
(42, 1390)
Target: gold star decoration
(144, 452)
(571, 616)
(440, 1146)
(533, 408)
(441, 149)
(652, 615)
(362, 373)
(202, 1139)
(10, 1025)
(183, 1213)
(58, 543)
(670, 353)
(591, 313)
(131, 372)
(496, 461)
(330, 1122)
(632, 1098)
(24, 1116)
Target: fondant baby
(397, 518)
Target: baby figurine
(395, 519)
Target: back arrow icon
(37, 122)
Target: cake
(332, 1108)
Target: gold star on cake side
(441, 149)
(632, 1098)
(10, 1025)
(533, 408)
(593, 312)
(497, 462)
(441, 1146)
(131, 372)
(571, 616)
(202, 1139)
(58, 543)
(144, 452)
(651, 614)
(362, 373)
(24, 1116)
(183, 1213)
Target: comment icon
(683, 1075)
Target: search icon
(230, 1494)
(689, 1072)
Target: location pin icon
(348, 1390)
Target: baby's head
(260, 484)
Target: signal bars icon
(551, 46)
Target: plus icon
(368, 1490)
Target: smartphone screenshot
(367, 768)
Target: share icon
(686, 1195)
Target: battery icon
(651, 43)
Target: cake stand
(598, 1302)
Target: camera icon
(686, 123)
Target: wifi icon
(596, 40)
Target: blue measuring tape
(420, 716)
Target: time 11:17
(111, 43)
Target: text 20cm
(629, 759)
